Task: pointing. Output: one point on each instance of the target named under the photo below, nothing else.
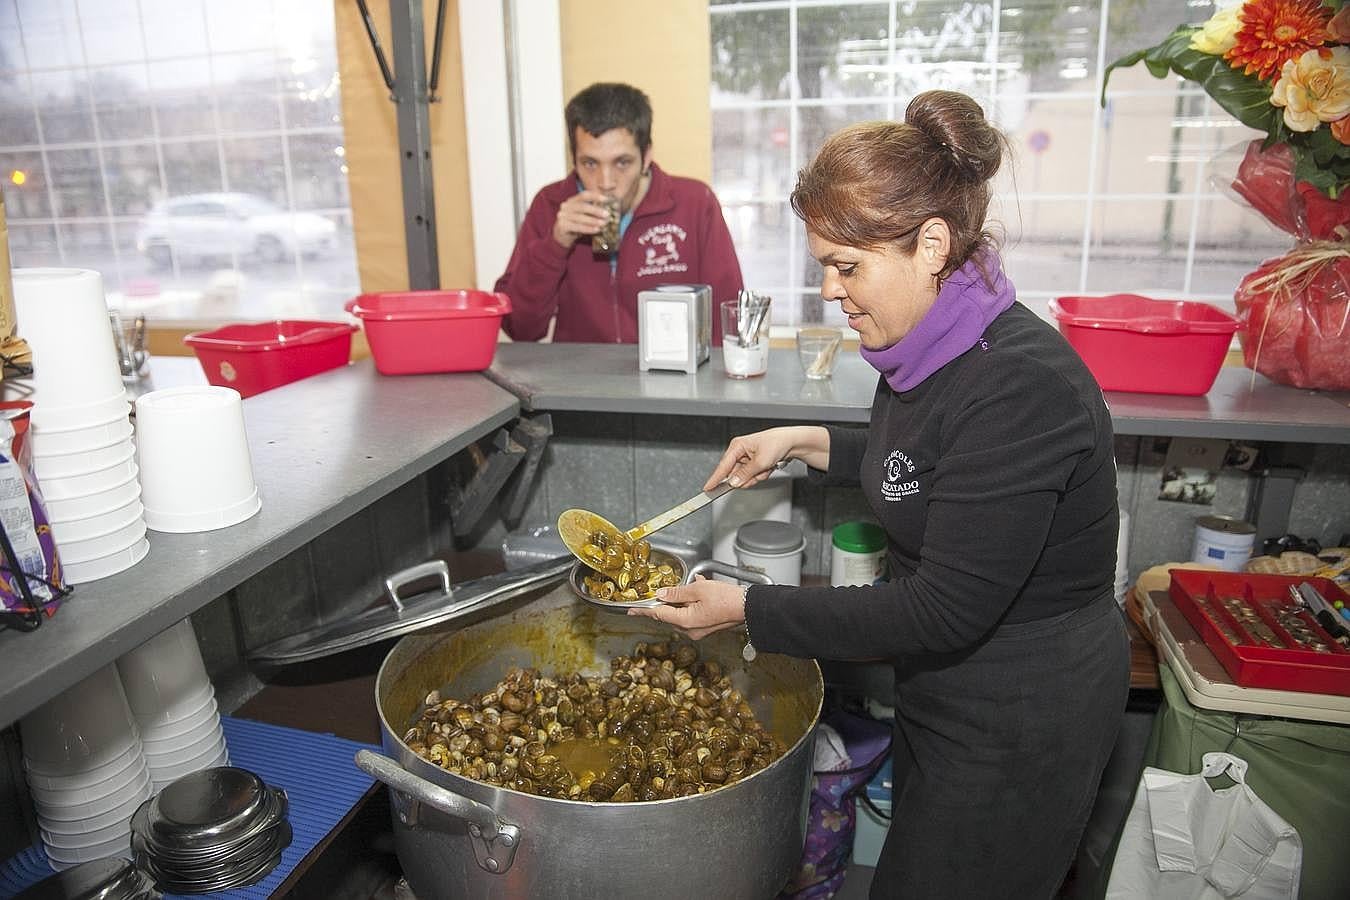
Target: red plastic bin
(416, 332)
(1134, 343)
(256, 357)
(1207, 600)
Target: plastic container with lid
(1134, 343)
(774, 548)
(258, 356)
(1223, 541)
(858, 554)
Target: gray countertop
(605, 378)
(322, 449)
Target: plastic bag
(1184, 840)
(1294, 310)
(24, 517)
(832, 818)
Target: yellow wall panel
(660, 46)
(373, 169)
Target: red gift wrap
(1294, 310)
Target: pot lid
(398, 616)
(769, 536)
(208, 805)
(100, 879)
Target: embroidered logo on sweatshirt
(661, 250)
(897, 483)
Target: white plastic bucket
(774, 548)
(1224, 542)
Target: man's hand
(699, 608)
(580, 215)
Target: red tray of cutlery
(1260, 633)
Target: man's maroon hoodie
(677, 236)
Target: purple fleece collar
(962, 311)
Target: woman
(989, 462)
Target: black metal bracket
(533, 435)
(374, 38)
(435, 79)
(491, 471)
(385, 72)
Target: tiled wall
(338, 573)
(631, 467)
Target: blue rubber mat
(316, 770)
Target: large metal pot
(462, 838)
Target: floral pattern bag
(832, 820)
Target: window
(189, 150)
(1097, 199)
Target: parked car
(199, 226)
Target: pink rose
(1339, 26)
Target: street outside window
(1128, 197)
(189, 150)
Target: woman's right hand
(750, 458)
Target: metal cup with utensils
(129, 339)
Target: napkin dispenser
(674, 327)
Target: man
(671, 231)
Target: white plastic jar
(1223, 541)
(858, 554)
(774, 548)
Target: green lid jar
(858, 554)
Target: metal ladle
(575, 526)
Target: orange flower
(1276, 31)
(1340, 130)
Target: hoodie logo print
(661, 250)
(896, 484)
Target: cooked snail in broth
(661, 724)
(624, 570)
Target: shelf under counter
(322, 449)
(605, 378)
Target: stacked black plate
(101, 879)
(211, 830)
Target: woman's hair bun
(956, 124)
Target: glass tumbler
(745, 337)
(817, 349)
(606, 240)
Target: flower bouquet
(1282, 67)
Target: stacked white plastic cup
(196, 474)
(174, 705)
(83, 455)
(85, 770)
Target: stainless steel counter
(605, 378)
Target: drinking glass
(817, 349)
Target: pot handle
(727, 569)
(494, 841)
(436, 567)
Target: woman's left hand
(700, 608)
